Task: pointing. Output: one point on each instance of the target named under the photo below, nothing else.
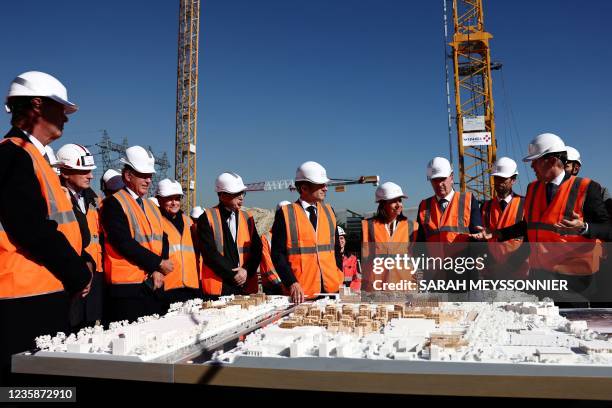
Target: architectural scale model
(528, 332)
(193, 323)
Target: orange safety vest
(450, 226)
(377, 242)
(311, 254)
(269, 277)
(211, 283)
(493, 219)
(146, 229)
(351, 273)
(547, 249)
(20, 276)
(94, 248)
(183, 257)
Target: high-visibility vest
(451, 226)
(580, 258)
(94, 249)
(494, 218)
(376, 242)
(212, 284)
(311, 253)
(183, 257)
(21, 276)
(350, 268)
(269, 277)
(146, 229)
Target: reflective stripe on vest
(146, 229)
(182, 254)
(269, 276)
(580, 258)
(21, 276)
(94, 248)
(310, 251)
(440, 230)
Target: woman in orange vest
(350, 264)
(229, 242)
(41, 266)
(387, 234)
(183, 283)
(76, 166)
(505, 209)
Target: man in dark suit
(229, 243)
(136, 250)
(554, 195)
(30, 232)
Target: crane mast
(187, 101)
(473, 98)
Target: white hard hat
(167, 188)
(573, 154)
(112, 180)
(74, 156)
(196, 212)
(282, 204)
(36, 83)
(109, 174)
(229, 183)
(389, 191)
(438, 167)
(341, 231)
(139, 159)
(154, 201)
(504, 167)
(312, 172)
(544, 144)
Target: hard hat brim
(391, 198)
(504, 175)
(140, 170)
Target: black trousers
(24, 319)
(129, 302)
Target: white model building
(525, 332)
(154, 337)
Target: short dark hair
(562, 156)
(19, 107)
(299, 184)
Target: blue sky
(357, 85)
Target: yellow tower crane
(187, 100)
(473, 98)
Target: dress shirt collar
(448, 198)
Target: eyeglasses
(241, 194)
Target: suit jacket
(23, 213)
(222, 265)
(117, 230)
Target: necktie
(231, 223)
(46, 157)
(313, 216)
(443, 204)
(551, 189)
(140, 203)
(503, 204)
(391, 228)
